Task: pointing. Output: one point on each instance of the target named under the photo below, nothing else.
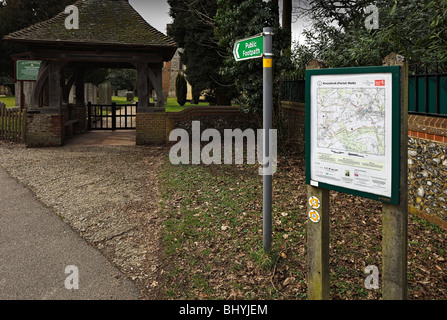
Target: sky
(156, 13)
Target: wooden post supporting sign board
(395, 217)
(356, 143)
(317, 233)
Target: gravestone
(105, 93)
(91, 93)
(122, 93)
(130, 96)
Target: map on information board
(350, 131)
(352, 120)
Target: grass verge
(212, 238)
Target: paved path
(36, 246)
(103, 138)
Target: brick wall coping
(425, 127)
(203, 111)
(427, 124)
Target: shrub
(181, 89)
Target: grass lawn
(171, 105)
(9, 101)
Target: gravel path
(107, 194)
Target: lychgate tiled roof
(108, 22)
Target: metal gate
(112, 117)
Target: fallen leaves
(227, 212)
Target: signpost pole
(267, 124)
(317, 233)
(253, 48)
(395, 217)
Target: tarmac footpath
(42, 258)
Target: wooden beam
(42, 77)
(80, 92)
(55, 89)
(92, 56)
(67, 87)
(143, 85)
(157, 81)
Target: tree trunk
(222, 99)
(287, 22)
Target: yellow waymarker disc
(314, 216)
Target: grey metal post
(267, 124)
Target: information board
(27, 70)
(353, 131)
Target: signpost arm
(395, 217)
(318, 235)
(267, 124)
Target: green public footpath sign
(249, 48)
(353, 131)
(27, 70)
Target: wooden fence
(12, 126)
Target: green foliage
(193, 30)
(413, 28)
(236, 20)
(438, 26)
(300, 56)
(96, 76)
(181, 89)
(123, 79)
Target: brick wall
(79, 112)
(44, 130)
(155, 127)
(151, 128)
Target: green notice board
(27, 70)
(353, 131)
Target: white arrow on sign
(237, 50)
